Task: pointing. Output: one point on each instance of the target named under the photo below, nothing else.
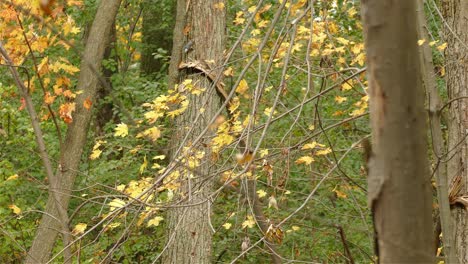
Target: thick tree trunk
(77, 131)
(190, 233)
(399, 180)
(456, 35)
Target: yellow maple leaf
(261, 193)
(442, 46)
(95, 154)
(155, 221)
(12, 177)
(242, 87)
(323, 152)
(249, 222)
(346, 86)
(239, 20)
(121, 130)
(309, 145)
(227, 226)
(116, 203)
(143, 165)
(79, 229)
(305, 160)
(16, 210)
(229, 72)
(340, 99)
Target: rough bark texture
(190, 234)
(399, 189)
(76, 134)
(438, 145)
(456, 34)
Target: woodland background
(189, 131)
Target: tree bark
(189, 231)
(77, 131)
(438, 145)
(456, 55)
(399, 190)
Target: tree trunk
(438, 145)
(399, 180)
(190, 233)
(456, 35)
(77, 131)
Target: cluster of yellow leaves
(318, 150)
(362, 106)
(96, 152)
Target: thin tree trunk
(190, 232)
(440, 170)
(77, 131)
(399, 181)
(456, 55)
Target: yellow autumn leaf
(263, 153)
(346, 86)
(305, 160)
(234, 104)
(311, 127)
(116, 203)
(143, 165)
(295, 228)
(239, 20)
(249, 222)
(159, 157)
(155, 221)
(309, 145)
(227, 226)
(351, 12)
(323, 152)
(12, 177)
(79, 229)
(267, 112)
(242, 87)
(95, 154)
(262, 23)
(421, 41)
(16, 210)
(339, 193)
(342, 40)
(153, 133)
(121, 130)
(442, 46)
(228, 72)
(261, 193)
(340, 99)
